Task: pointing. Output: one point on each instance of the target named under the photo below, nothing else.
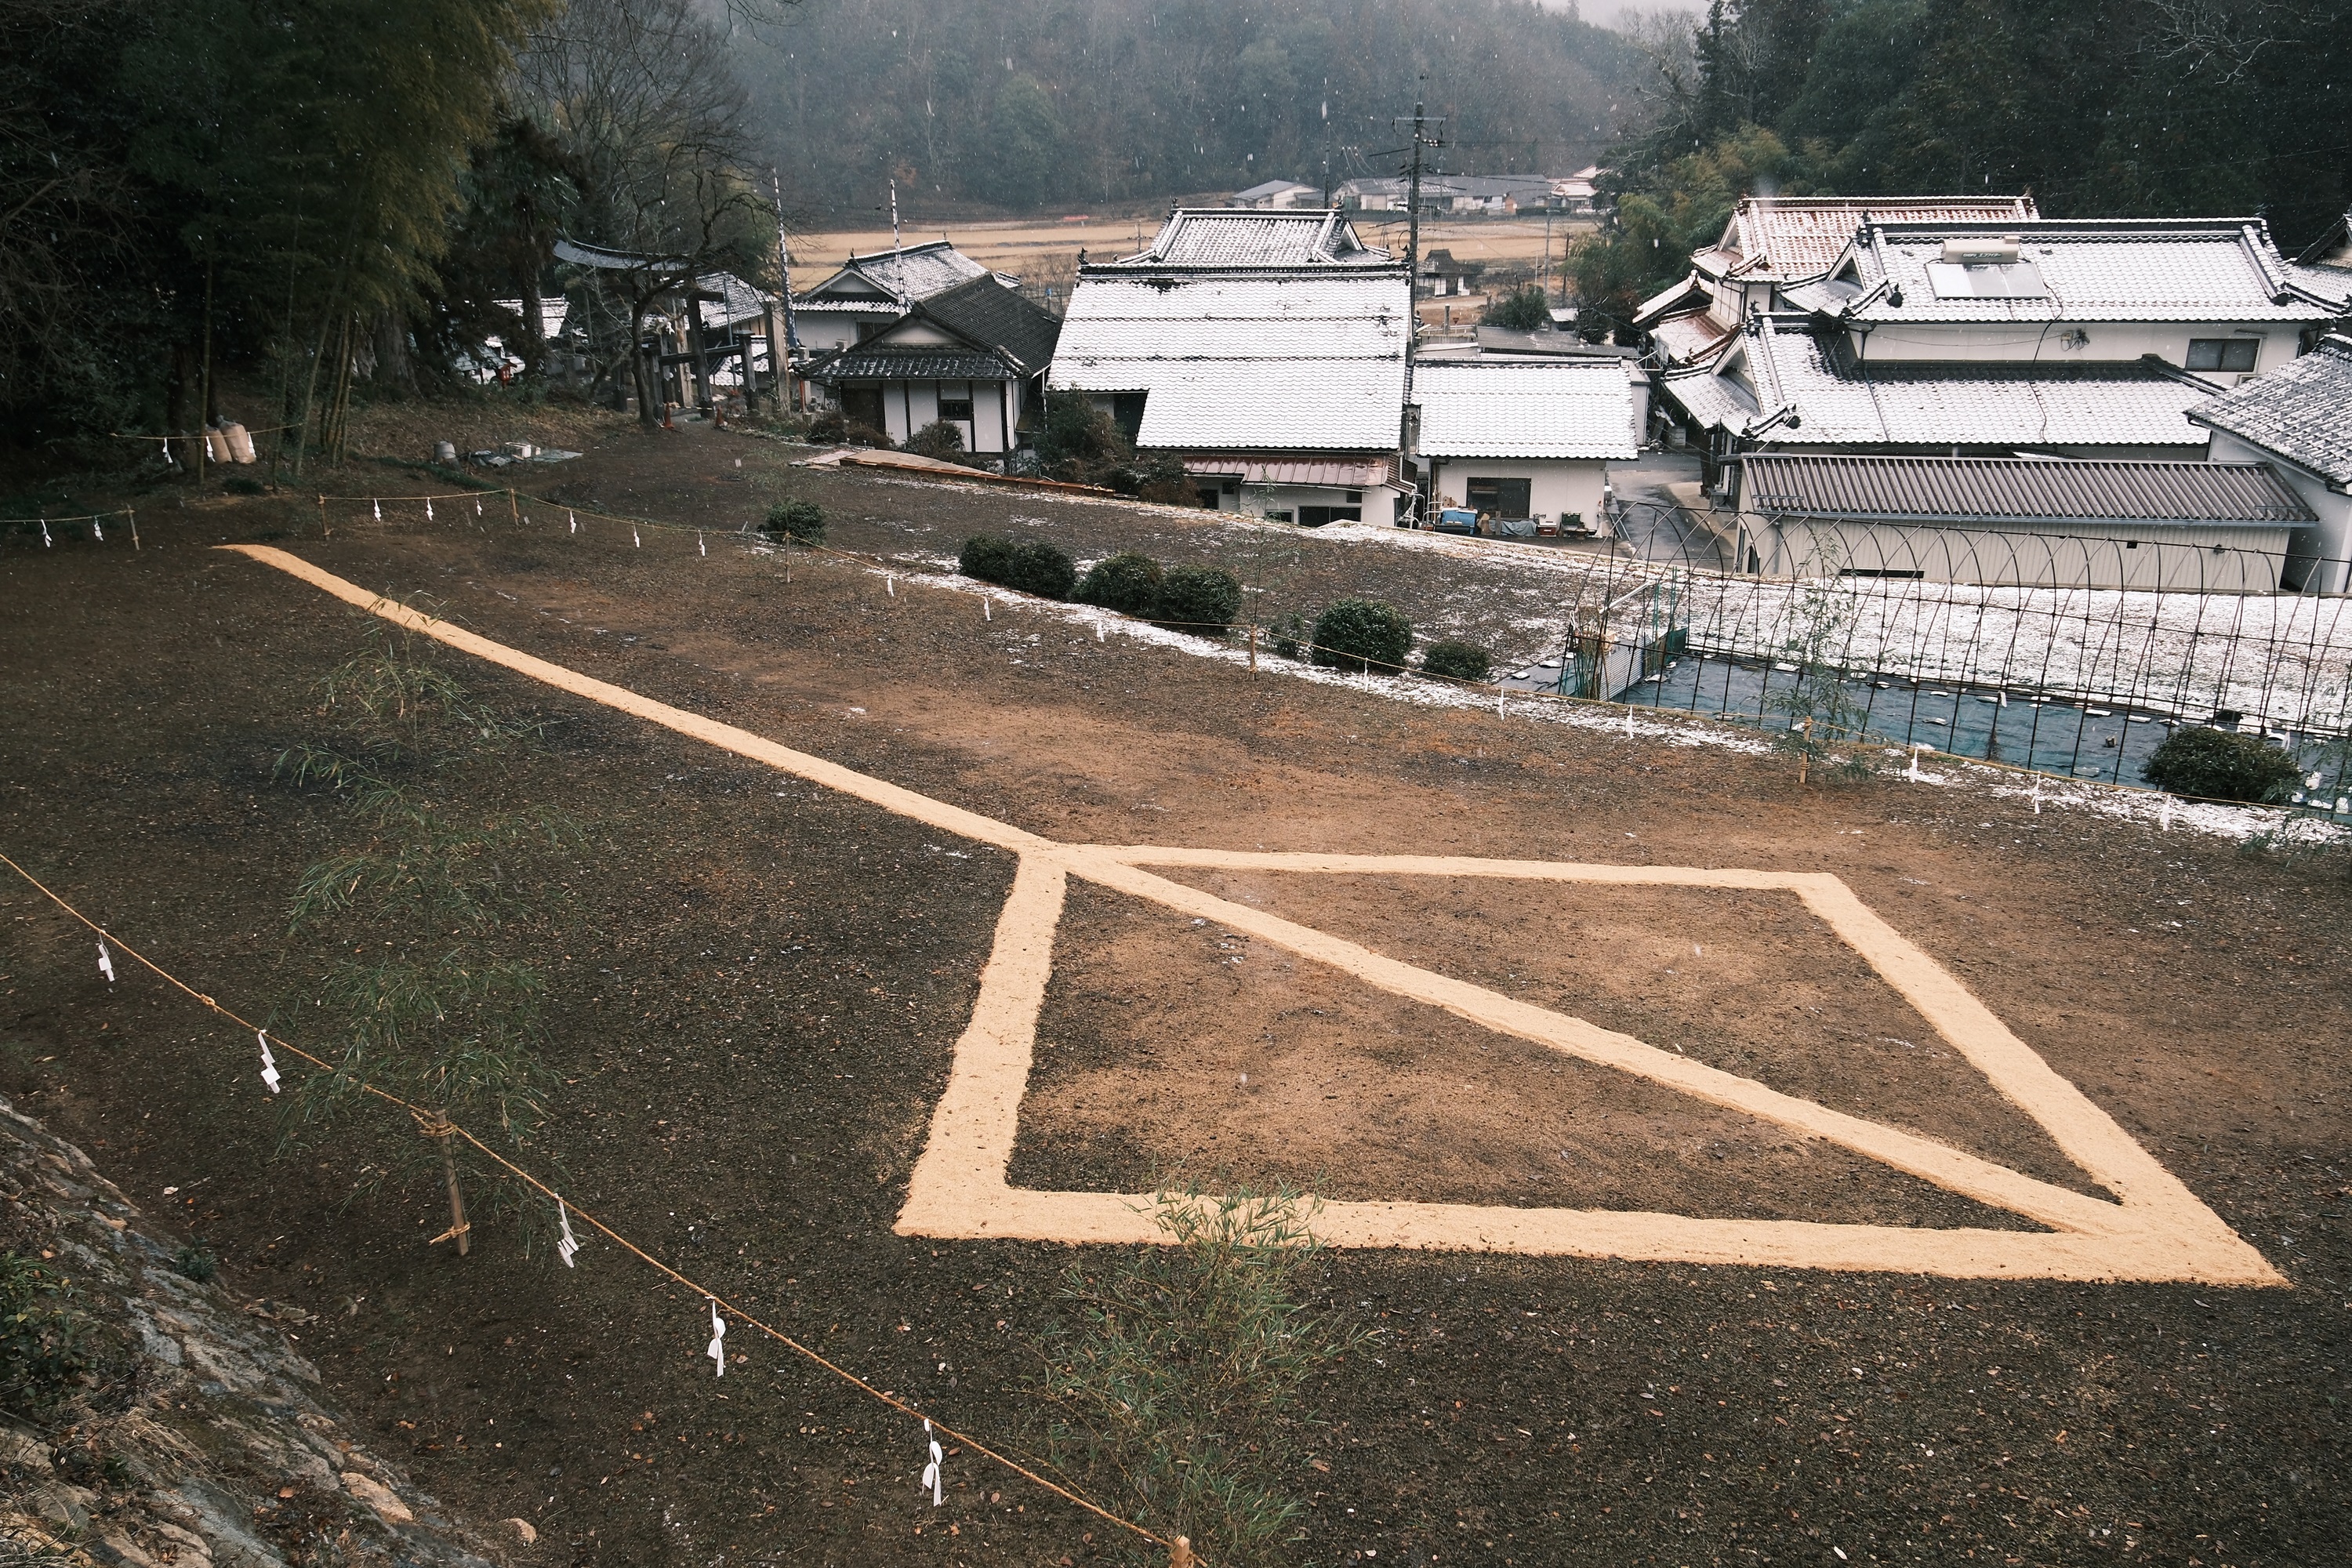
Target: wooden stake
(1805, 756)
(135, 544)
(1253, 644)
(323, 516)
(514, 508)
(1180, 1555)
(457, 1226)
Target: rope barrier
(433, 1124)
(198, 435)
(84, 517)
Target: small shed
(2043, 522)
(1525, 438)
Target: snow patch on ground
(2155, 812)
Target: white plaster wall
(2092, 555)
(2326, 551)
(2028, 341)
(1556, 488)
(821, 332)
(1379, 503)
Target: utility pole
(898, 260)
(1423, 125)
(1421, 137)
(1326, 142)
(784, 275)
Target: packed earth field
(758, 983)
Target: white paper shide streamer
(574, 521)
(716, 1348)
(567, 1245)
(376, 507)
(931, 1470)
(428, 508)
(106, 964)
(269, 1062)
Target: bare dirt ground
(758, 985)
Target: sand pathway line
(2159, 1230)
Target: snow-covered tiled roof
(1792, 237)
(1783, 383)
(1667, 298)
(740, 303)
(2301, 411)
(1526, 408)
(1226, 236)
(1691, 338)
(912, 272)
(2124, 270)
(1275, 359)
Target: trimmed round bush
(1126, 583)
(801, 520)
(2218, 765)
(987, 559)
(1034, 566)
(1362, 635)
(1203, 599)
(1456, 660)
(937, 439)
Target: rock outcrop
(177, 1428)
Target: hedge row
(1202, 599)
(1362, 635)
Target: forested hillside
(2099, 108)
(1030, 104)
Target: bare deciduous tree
(643, 97)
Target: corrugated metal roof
(1526, 408)
(2017, 490)
(2124, 269)
(1244, 359)
(1291, 471)
(1796, 237)
(1224, 236)
(1266, 189)
(1783, 383)
(2302, 411)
